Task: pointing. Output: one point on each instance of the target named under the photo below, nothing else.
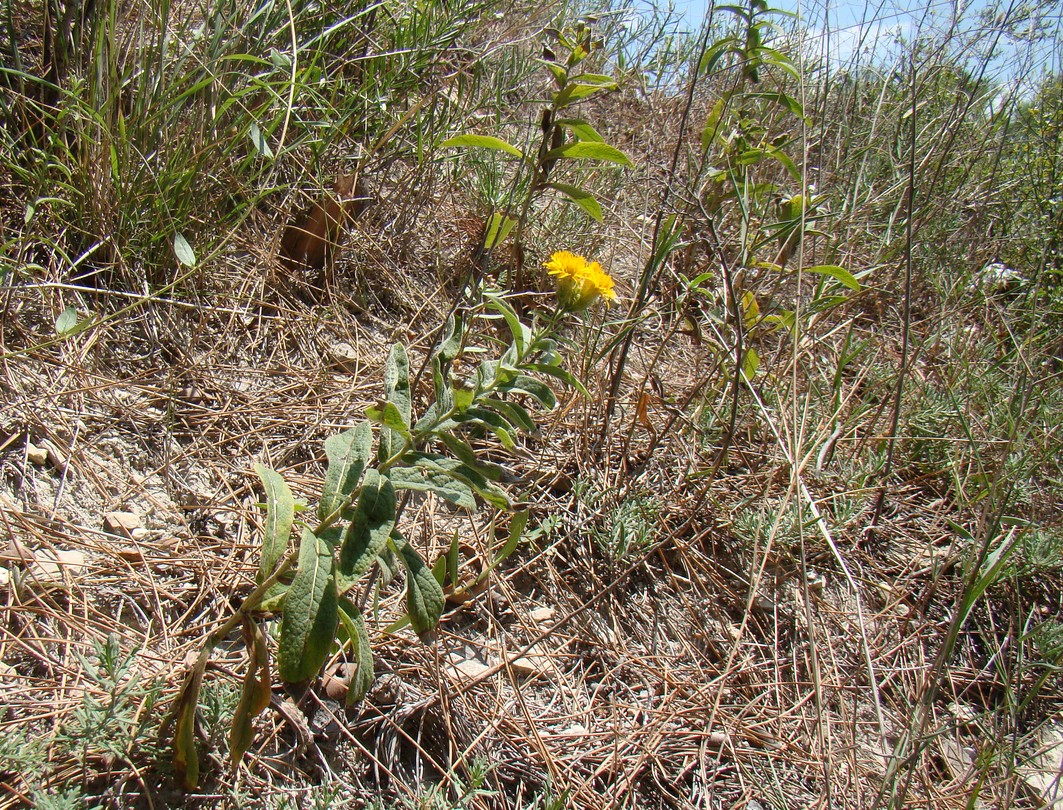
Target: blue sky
(872, 27)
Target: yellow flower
(579, 282)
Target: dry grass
(701, 669)
(750, 640)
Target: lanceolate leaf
(185, 758)
(366, 537)
(397, 392)
(424, 596)
(581, 129)
(362, 678)
(280, 512)
(792, 104)
(836, 272)
(584, 199)
(493, 422)
(750, 364)
(575, 91)
(516, 528)
(466, 474)
(254, 694)
(483, 142)
(527, 385)
(308, 625)
(183, 250)
(348, 453)
(514, 413)
(556, 371)
(424, 480)
(498, 228)
(589, 150)
(521, 334)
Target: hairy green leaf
(425, 480)
(517, 522)
(348, 453)
(494, 422)
(308, 626)
(537, 390)
(521, 334)
(424, 596)
(362, 677)
(388, 415)
(396, 392)
(516, 414)
(556, 371)
(280, 513)
(366, 537)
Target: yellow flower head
(579, 282)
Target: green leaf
(183, 251)
(538, 391)
(477, 472)
(388, 415)
(439, 483)
(280, 513)
(308, 626)
(347, 453)
(783, 100)
(713, 55)
(711, 129)
(362, 677)
(558, 71)
(366, 537)
(516, 528)
(254, 692)
(581, 129)
(260, 141)
(559, 373)
(750, 364)
(68, 324)
(575, 91)
(475, 476)
(584, 199)
(521, 334)
(836, 272)
(482, 142)
(397, 381)
(785, 160)
(588, 150)
(492, 421)
(498, 228)
(397, 393)
(516, 414)
(424, 596)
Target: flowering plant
(313, 560)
